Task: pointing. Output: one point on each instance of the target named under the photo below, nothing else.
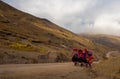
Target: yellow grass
(109, 68)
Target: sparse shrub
(42, 50)
(21, 46)
(35, 41)
(5, 21)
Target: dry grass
(109, 68)
(21, 46)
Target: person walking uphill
(88, 58)
(75, 56)
(85, 55)
(80, 57)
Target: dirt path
(47, 70)
(113, 53)
(42, 71)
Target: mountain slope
(26, 39)
(110, 41)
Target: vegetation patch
(37, 41)
(21, 46)
(108, 68)
(43, 50)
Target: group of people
(84, 57)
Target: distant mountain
(25, 38)
(111, 41)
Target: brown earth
(10, 56)
(43, 71)
(106, 69)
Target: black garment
(80, 60)
(75, 58)
(85, 59)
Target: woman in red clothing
(85, 55)
(75, 56)
(88, 58)
(80, 57)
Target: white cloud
(79, 16)
(108, 23)
(55, 9)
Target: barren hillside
(27, 39)
(110, 41)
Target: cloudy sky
(78, 16)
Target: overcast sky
(78, 16)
